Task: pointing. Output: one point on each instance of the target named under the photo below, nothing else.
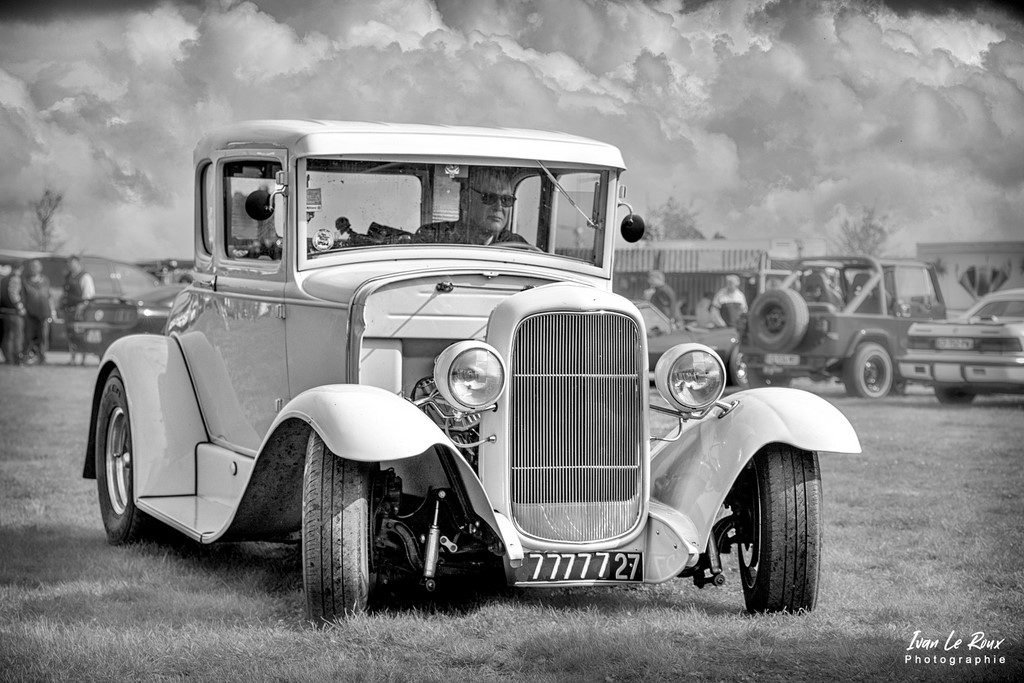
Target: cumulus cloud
(776, 117)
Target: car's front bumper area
(975, 371)
(666, 547)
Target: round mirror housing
(259, 205)
(632, 228)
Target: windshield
(361, 204)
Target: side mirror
(259, 205)
(633, 226)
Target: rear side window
(208, 212)
(1002, 309)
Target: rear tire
(337, 569)
(954, 396)
(779, 534)
(868, 373)
(122, 520)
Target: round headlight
(470, 375)
(690, 376)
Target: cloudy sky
(768, 118)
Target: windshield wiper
(588, 219)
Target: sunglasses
(490, 198)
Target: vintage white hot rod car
(401, 348)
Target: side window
(246, 237)
(915, 293)
(914, 286)
(889, 281)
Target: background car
(112, 314)
(842, 317)
(981, 352)
(662, 335)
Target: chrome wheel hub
(118, 460)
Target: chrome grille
(575, 426)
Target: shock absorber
(432, 546)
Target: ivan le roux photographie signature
(955, 644)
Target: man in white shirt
(729, 303)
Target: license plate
(954, 344)
(781, 359)
(93, 337)
(612, 567)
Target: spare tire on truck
(778, 320)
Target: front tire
(122, 520)
(869, 373)
(337, 569)
(779, 534)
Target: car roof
(317, 137)
(14, 255)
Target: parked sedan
(981, 352)
(111, 314)
(663, 335)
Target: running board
(194, 516)
(221, 478)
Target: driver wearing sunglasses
(485, 207)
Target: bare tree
(43, 234)
(672, 221)
(865, 235)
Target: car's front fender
(373, 425)
(694, 473)
(364, 423)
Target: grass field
(924, 535)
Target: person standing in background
(39, 311)
(13, 310)
(729, 303)
(79, 290)
(661, 295)
(703, 312)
